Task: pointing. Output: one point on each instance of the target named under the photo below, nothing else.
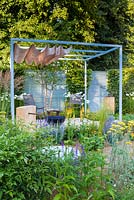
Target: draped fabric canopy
(33, 55)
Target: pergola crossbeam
(65, 42)
(102, 53)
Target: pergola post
(12, 78)
(120, 83)
(85, 83)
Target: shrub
(101, 116)
(125, 117)
(5, 88)
(5, 102)
(128, 88)
(121, 165)
(25, 172)
(75, 132)
(120, 129)
(125, 194)
(30, 171)
(82, 178)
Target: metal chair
(73, 106)
(29, 100)
(76, 99)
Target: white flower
(67, 94)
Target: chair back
(28, 100)
(75, 99)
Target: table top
(56, 111)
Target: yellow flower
(129, 142)
(132, 134)
(122, 128)
(121, 123)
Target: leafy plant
(119, 130)
(30, 169)
(5, 89)
(82, 178)
(93, 143)
(55, 132)
(2, 116)
(125, 194)
(75, 78)
(121, 165)
(76, 132)
(5, 102)
(103, 114)
(125, 117)
(92, 116)
(48, 80)
(23, 166)
(113, 88)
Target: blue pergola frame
(85, 54)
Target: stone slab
(26, 114)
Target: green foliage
(48, 78)
(128, 117)
(44, 20)
(69, 20)
(113, 75)
(93, 143)
(113, 86)
(121, 167)
(4, 91)
(5, 80)
(128, 105)
(30, 169)
(76, 132)
(56, 133)
(2, 117)
(101, 116)
(5, 88)
(107, 13)
(125, 194)
(121, 129)
(82, 178)
(86, 134)
(75, 78)
(128, 80)
(128, 88)
(116, 132)
(5, 102)
(92, 116)
(23, 166)
(125, 117)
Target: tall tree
(43, 20)
(79, 20)
(114, 24)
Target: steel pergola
(80, 51)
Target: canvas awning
(40, 58)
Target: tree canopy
(89, 21)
